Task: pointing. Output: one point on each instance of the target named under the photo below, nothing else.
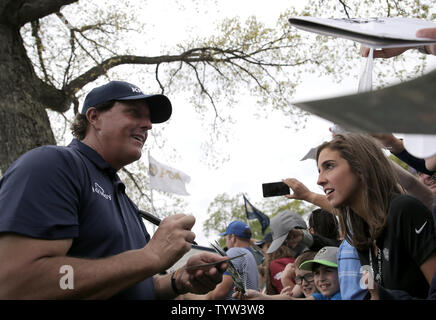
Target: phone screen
(275, 189)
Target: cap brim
(308, 265)
(277, 243)
(222, 234)
(160, 106)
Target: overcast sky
(261, 150)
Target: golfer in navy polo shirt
(67, 227)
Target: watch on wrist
(173, 283)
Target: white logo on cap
(137, 90)
(323, 250)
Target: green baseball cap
(327, 256)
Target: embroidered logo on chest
(99, 190)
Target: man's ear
(93, 116)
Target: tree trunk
(24, 123)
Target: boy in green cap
(325, 270)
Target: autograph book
(376, 32)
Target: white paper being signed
(376, 32)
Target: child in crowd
(318, 279)
(304, 282)
(325, 274)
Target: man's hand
(384, 53)
(428, 33)
(392, 143)
(171, 241)
(393, 52)
(202, 279)
(249, 295)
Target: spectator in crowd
(430, 163)
(324, 223)
(304, 282)
(422, 190)
(429, 181)
(349, 267)
(359, 182)
(237, 235)
(325, 274)
(265, 242)
(289, 228)
(321, 271)
(275, 263)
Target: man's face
(229, 240)
(122, 132)
(326, 280)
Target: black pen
(153, 219)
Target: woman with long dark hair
(392, 232)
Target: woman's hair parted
(378, 181)
(80, 124)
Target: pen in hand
(153, 219)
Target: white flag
(167, 179)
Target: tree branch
(344, 5)
(40, 49)
(20, 12)
(132, 177)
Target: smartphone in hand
(274, 189)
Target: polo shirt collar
(93, 156)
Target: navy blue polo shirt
(54, 192)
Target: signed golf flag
(253, 213)
(167, 179)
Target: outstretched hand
(384, 53)
(428, 33)
(250, 294)
(200, 279)
(393, 52)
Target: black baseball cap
(160, 105)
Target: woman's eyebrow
(326, 162)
